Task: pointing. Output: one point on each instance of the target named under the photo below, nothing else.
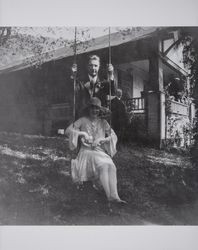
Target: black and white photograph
(98, 125)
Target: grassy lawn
(36, 187)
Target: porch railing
(179, 108)
(135, 104)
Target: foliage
(22, 44)
(179, 128)
(36, 45)
(4, 34)
(179, 131)
(167, 102)
(190, 53)
(190, 57)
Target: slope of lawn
(36, 187)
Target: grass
(36, 187)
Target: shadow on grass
(39, 191)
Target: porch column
(156, 101)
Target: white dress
(90, 159)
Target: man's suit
(119, 118)
(85, 89)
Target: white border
(99, 13)
(99, 238)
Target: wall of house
(18, 107)
(26, 98)
(138, 85)
(124, 81)
(139, 80)
(175, 54)
(132, 77)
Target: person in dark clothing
(91, 86)
(119, 118)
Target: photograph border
(102, 13)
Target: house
(148, 67)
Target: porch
(178, 121)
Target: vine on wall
(179, 127)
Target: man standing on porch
(119, 118)
(91, 86)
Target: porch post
(156, 99)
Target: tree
(4, 34)
(29, 45)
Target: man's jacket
(85, 90)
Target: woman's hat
(95, 101)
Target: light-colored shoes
(118, 201)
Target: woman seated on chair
(97, 146)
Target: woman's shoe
(121, 202)
(118, 201)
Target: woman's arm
(110, 140)
(74, 131)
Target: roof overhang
(92, 45)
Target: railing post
(135, 103)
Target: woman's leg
(104, 179)
(113, 182)
(108, 180)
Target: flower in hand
(98, 142)
(86, 139)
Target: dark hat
(95, 101)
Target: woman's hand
(103, 140)
(99, 142)
(74, 68)
(85, 135)
(96, 143)
(110, 70)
